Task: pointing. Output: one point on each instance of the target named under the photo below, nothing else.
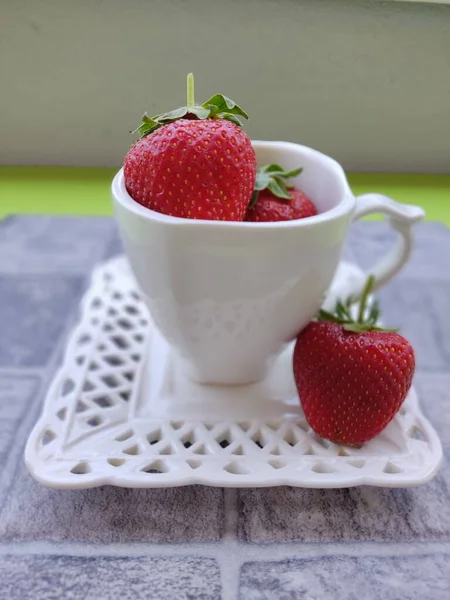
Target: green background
(86, 191)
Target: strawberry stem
(365, 295)
(367, 319)
(190, 90)
(217, 107)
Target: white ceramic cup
(228, 296)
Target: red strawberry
(270, 208)
(194, 162)
(352, 377)
(274, 200)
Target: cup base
(245, 377)
(169, 390)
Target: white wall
(366, 81)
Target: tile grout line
(229, 558)
(242, 552)
(231, 513)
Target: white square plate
(118, 413)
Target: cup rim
(347, 203)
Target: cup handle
(402, 217)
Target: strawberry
(194, 162)
(274, 200)
(351, 376)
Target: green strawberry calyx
(217, 107)
(367, 316)
(273, 177)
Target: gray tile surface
(371, 239)
(203, 542)
(414, 308)
(40, 244)
(434, 394)
(108, 514)
(17, 394)
(105, 578)
(357, 514)
(348, 578)
(34, 311)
